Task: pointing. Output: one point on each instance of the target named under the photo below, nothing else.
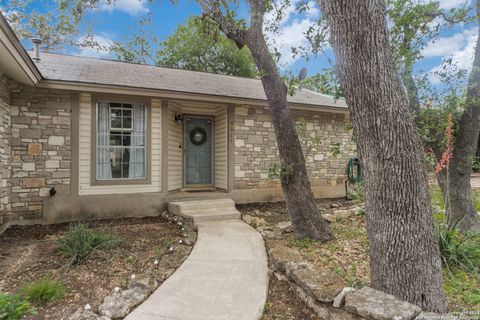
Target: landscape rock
(424, 315)
(145, 283)
(323, 284)
(82, 314)
(376, 305)
(329, 217)
(280, 255)
(114, 306)
(254, 221)
(285, 226)
(163, 273)
(339, 300)
(271, 235)
(340, 314)
(134, 296)
(343, 213)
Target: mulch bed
(29, 253)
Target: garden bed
(30, 253)
(347, 255)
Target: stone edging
(326, 293)
(119, 303)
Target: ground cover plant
(36, 269)
(347, 255)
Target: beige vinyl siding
(85, 153)
(175, 151)
(221, 147)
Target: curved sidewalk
(225, 277)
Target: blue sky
(111, 22)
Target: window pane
(115, 139)
(126, 169)
(116, 162)
(127, 113)
(116, 123)
(126, 140)
(127, 123)
(115, 105)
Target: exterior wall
(256, 148)
(221, 148)
(40, 148)
(5, 189)
(175, 162)
(85, 152)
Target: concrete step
(205, 210)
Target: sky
(111, 22)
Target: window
(121, 141)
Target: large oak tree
(403, 250)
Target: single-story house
(84, 138)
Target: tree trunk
(403, 248)
(304, 213)
(461, 211)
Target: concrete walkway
(225, 277)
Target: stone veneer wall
(40, 148)
(256, 147)
(5, 207)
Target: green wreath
(195, 138)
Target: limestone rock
(271, 235)
(323, 284)
(134, 296)
(146, 283)
(340, 314)
(376, 305)
(343, 213)
(280, 255)
(329, 217)
(285, 226)
(163, 273)
(254, 221)
(424, 315)
(114, 306)
(339, 300)
(82, 314)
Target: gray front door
(198, 151)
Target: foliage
(476, 165)
(303, 243)
(14, 307)
(335, 149)
(43, 291)
(458, 251)
(80, 242)
(327, 82)
(57, 22)
(464, 289)
(448, 152)
(196, 45)
(278, 171)
(310, 141)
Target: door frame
(212, 151)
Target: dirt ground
(29, 253)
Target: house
(84, 138)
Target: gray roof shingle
(108, 72)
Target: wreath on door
(198, 136)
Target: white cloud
(132, 7)
(449, 4)
(460, 47)
(104, 43)
(291, 30)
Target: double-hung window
(121, 141)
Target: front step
(205, 210)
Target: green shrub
(14, 307)
(43, 291)
(458, 251)
(80, 242)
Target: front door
(198, 151)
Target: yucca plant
(458, 251)
(43, 291)
(80, 242)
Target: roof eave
(29, 73)
(176, 95)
